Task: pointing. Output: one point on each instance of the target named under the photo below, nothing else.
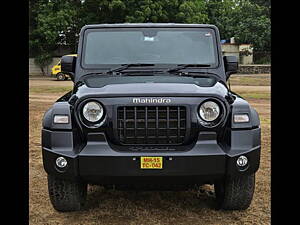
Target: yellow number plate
(151, 162)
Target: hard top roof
(148, 25)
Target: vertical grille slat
(156, 123)
(168, 125)
(146, 125)
(151, 125)
(124, 122)
(135, 122)
(178, 123)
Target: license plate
(151, 162)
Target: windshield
(149, 45)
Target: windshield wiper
(195, 74)
(93, 73)
(199, 74)
(113, 71)
(180, 67)
(141, 72)
(126, 66)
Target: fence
(254, 69)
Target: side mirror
(68, 64)
(231, 65)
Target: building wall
(229, 49)
(246, 59)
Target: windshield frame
(156, 65)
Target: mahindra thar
(150, 108)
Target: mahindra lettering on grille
(151, 125)
(151, 100)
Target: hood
(152, 89)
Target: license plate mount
(149, 162)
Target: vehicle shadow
(106, 206)
(191, 200)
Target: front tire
(66, 195)
(235, 193)
(60, 76)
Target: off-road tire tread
(66, 195)
(238, 192)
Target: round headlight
(92, 111)
(209, 111)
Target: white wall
(230, 50)
(246, 59)
(234, 50)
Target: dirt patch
(51, 98)
(129, 207)
(249, 88)
(253, 92)
(49, 82)
(253, 79)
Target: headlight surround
(93, 111)
(209, 111)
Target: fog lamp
(242, 161)
(61, 162)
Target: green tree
(247, 21)
(253, 26)
(52, 23)
(192, 12)
(167, 11)
(221, 14)
(145, 11)
(266, 4)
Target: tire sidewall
(66, 195)
(235, 193)
(60, 76)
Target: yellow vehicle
(56, 71)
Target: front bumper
(97, 162)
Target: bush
(263, 57)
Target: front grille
(151, 125)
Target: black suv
(150, 108)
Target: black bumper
(97, 162)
